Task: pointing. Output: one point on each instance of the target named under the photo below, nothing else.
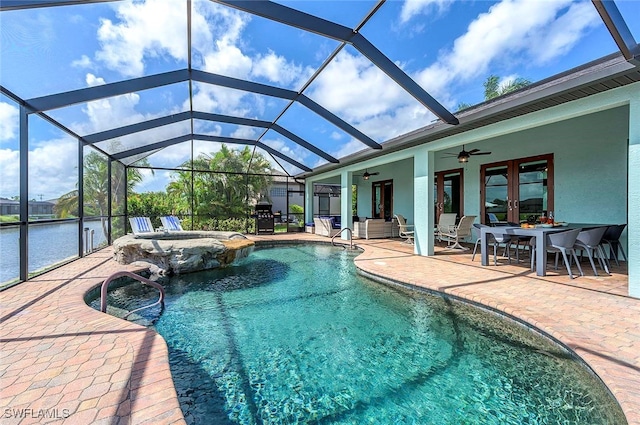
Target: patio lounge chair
(403, 229)
(458, 233)
(446, 224)
(141, 225)
(171, 223)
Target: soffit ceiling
(307, 84)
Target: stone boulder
(182, 252)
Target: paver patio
(61, 361)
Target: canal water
(49, 244)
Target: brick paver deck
(63, 362)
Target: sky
(448, 47)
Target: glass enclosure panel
(174, 156)
(242, 45)
(292, 150)
(95, 233)
(295, 211)
(80, 45)
(95, 183)
(327, 137)
(357, 91)
(496, 186)
(10, 258)
(118, 227)
(53, 172)
(236, 103)
(462, 44)
(51, 244)
(9, 160)
(144, 138)
(118, 188)
(532, 191)
(118, 111)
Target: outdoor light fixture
(463, 155)
(367, 174)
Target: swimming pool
(293, 335)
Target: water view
(49, 244)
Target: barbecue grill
(264, 219)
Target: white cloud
(411, 8)
(564, 32)
(335, 135)
(104, 113)
(9, 121)
(543, 30)
(278, 70)
(53, 168)
(245, 132)
(83, 62)
(10, 166)
(352, 146)
(355, 89)
(149, 29)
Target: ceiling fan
(464, 155)
(366, 174)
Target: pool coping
(58, 353)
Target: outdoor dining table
(540, 234)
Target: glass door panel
(382, 194)
(449, 194)
(496, 194)
(517, 191)
(532, 191)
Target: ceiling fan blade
(472, 151)
(479, 153)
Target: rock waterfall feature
(182, 252)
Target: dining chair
(525, 240)
(560, 243)
(611, 238)
(589, 241)
(494, 240)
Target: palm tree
(95, 183)
(493, 88)
(226, 184)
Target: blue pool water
(293, 335)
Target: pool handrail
(340, 232)
(105, 286)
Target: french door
(449, 193)
(382, 202)
(517, 191)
